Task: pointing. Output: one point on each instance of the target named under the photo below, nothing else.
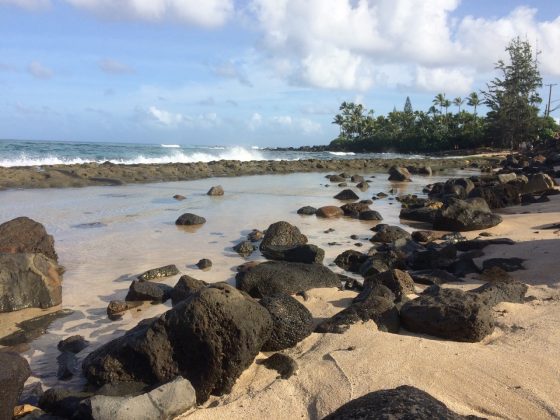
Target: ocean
(38, 153)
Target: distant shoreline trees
(513, 116)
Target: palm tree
(439, 101)
(473, 101)
(458, 102)
(446, 104)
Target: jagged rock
(275, 277)
(165, 402)
(386, 233)
(448, 313)
(209, 339)
(506, 264)
(216, 191)
(537, 183)
(185, 287)
(404, 402)
(350, 260)
(282, 234)
(328, 212)
(281, 363)
(505, 291)
(346, 195)
(190, 219)
(73, 344)
(398, 282)
(65, 403)
(425, 235)
(244, 248)
(465, 215)
(397, 173)
(498, 196)
(23, 235)
(307, 210)
(255, 235)
(307, 253)
(434, 256)
(29, 281)
(148, 291)
(116, 308)
(160, 272)
(291, 322)
(14, 371)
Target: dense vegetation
(513, 117)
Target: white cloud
(284, 122)
(32, 5)
(165, 117)
(358, 44)
(232, 70)
(255, 121)
(207, 13)
(111, 66)
(173, 120)
(38, 71)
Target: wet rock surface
(160, 272)
(14, 371)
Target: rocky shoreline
(94, 174)
(197, 351)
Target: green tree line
(512, 100)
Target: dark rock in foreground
(73, 344)
(29, 281)
(506, 264)
(25, 235)
(386, 233)
(291, 322)
(505, 291)
(404, 402)
(307, 253)
(204, 264)
(346, 195)
(398, 282)
(190, 219)
(448, 313)
(275, 277)
(465, 215)
(209, 339)
(148, 291)
(185, 286)
(14, 371)
(160, 272)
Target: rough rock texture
(307, 210)
(506, 264)
(204, 264)
(498, 196)
(472, 214)
(216, 191)
(370, 215)
(64, 403)
(433, 276)
(24, 235)
(354, 209)
(448, 313)
(350, 260)
(506, 291)
(275, 277)
(537, 183)
(14, 371)
(282, 234)
(347, 195)
(307, 253)
(244, 248)
(148, 291)
(163, 403)
(185, 286)
(386, 233)
(399, 282)
(73, 344)
(190, 219)
(402, 403)
(328, 212)
(209, 339)
(291, 322)
(29, 281)
(398, 173)
(160, 272)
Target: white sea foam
(177, 156)
(171, 146)
(342, 153)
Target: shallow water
(105, 236)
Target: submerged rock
(346, 195)
(307, 210)
(204, 264)
(244, 248)
(307, 253)
(73, 344)
(190, 219)
(328, 212)
(398, 173)
(216, 191)
(282, 234)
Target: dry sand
(513, 373)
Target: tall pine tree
(513, 99)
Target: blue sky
(258, 72)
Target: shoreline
(109, 174)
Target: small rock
(244, 248)
(204, 264)
(148, 291)
(179, 197)
(346, 195)
(160, 272)
(397, 173)
(216, 191)
(73, 344)
(328, 212)
(255, 235)
(190, 219)
(307, 210)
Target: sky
(247, 72)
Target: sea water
(37, 153)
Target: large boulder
(498, 196)
(24, 235)
(387, 233)
(209, 339)
(14, 371)
(398, 282)
(465, 215)
(282, 234)
(448, 313)
(537, 183)
(185, 286)
(399, 173)
(164, 403)
(291, 322)
(503, 291)
(275, 277)
(29, 281)
(307, 253)
(404, 402)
